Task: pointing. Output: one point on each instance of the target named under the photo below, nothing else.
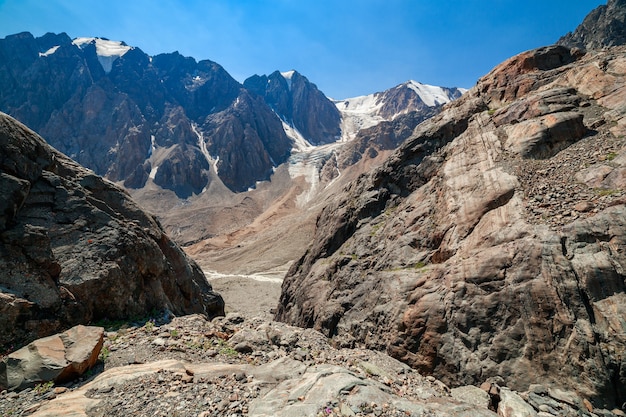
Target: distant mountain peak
(287, 75)
(366, 111)
(431, 95)
(298, 102)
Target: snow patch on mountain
(49, 51)
(309, 164)
(108, 51)
(153, 172)
(430, 94)
(359, 113)
(202, 145)
(299, 142)
(288, 75)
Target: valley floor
(251, 295)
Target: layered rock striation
(75, 248)
(491, 243)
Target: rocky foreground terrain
(238, 366)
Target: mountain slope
(488, 244)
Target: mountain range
(167, 119)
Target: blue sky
(346, 47)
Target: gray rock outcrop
(465, 254)
(74, 248)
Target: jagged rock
(472, 395)
(121, 115)
(604, 26)
(75, 248)
(545, 136)
(385, 136)
(57, 358)
(438, 256)
(249, 141)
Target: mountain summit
(604, 26)
(300, 104)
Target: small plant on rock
(44, 387)
(149, 326)
(104, 353)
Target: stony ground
(232, 340)
(233, 361)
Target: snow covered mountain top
(365, 111)
(288, 75)
(104, 47)
(108, 51)
(431, 95)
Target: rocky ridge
(501, 214)
(135, 119)
(166, 122)
(237, 366)
(603, 27)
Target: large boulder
(474, 252)
(59, 358)
(75, 248)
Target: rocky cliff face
(604, 26)
(299, 103)
(387, 135)
(490, 244)
(74, 248)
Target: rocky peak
(299, 103)
(106, 105)
(366, 111)
(604, 26)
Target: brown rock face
(59, 358)
(74, 248)
(464, 255)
